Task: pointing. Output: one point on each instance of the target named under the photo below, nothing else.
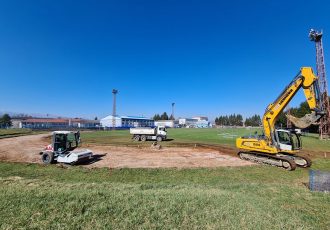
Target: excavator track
(282, 161)
(301, 161)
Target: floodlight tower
(173, 110)
(324, 128)
(114, 92)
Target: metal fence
(319, 180)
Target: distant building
(187, 121)
(83, 123)
(127, 122)
(195, 122)
(16, 123)
(199, 118)
(167, 123)
(55, 123)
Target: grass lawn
(224, 137)
(256, 197)
(5, 133)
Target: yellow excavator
(279, 147)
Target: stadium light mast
(324, 128)
(173, 110)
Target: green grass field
(257, 197)
(5, 133)
(254, 197)
(221, 137)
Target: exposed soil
(27, 148)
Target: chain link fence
(319, 180)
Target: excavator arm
(306, 80)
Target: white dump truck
(158, 133)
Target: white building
(195, 122)
(167, 123)
(187, 121)
(200, 118)
(127, 121)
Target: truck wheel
(143, 138)
(47, 158)
(159, 139)
(136, 138)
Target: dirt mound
(27, 148)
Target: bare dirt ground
(27, 148)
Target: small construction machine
(62, 149)
(279, 147)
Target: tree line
(164, 116)
(237, 120)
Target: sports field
(178, 137)
(249, 197)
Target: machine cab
(287, 140)
(64, 141)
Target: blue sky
(209, 57)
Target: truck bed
(143, 131)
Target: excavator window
(296, 141)
(284, 138)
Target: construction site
(171, 172)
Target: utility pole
(114, 92)
(324, 128)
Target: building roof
(84, 121)
(58, 120)
(135, 117)
(46, 120)
(127, 117)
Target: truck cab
(161, 130)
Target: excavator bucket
(305, 121)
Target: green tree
(255, 120)
(281, 120)
(164, 116)
(156, 117)
(231, 120)
(5, 121)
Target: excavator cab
(287, 140)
